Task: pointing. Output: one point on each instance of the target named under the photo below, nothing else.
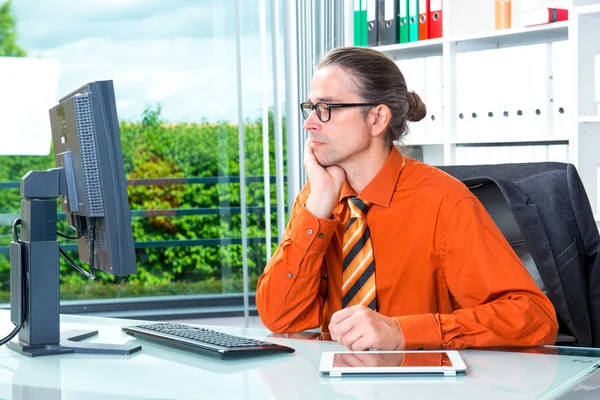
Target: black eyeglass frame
(315, 107)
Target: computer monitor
(90, 181)
(87, 144)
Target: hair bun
(416, 108)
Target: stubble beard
(341, 158)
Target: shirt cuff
(310, 232)
(420, 331)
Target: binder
(413, 71)
(363, 18)
(390, 31)
(472, 79)
(513, 91)
(433, 97)
(435, 19)
(540, 153)
(544, 15)
(490, 119)
(372, 25)
(403, 22)
(558, 153)
(502, 14)
(423, 19)
(413, 20)
(562, 99)
(539, 90)
(358, 23)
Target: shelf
(593, 9)
(511, 37)
(590, 119)
(425, 142)
(424, 48)
(508, 140)
(597, 218)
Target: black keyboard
(205, 341)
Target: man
(383, 251)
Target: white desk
(158, 372)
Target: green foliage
(8, 33)
(103, 290)
(153, 149)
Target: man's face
(343, 138)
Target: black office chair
(565, 265)
(496, 205)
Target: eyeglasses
(323, 109)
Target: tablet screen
(386, 359)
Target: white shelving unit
(468, 28)
(585, 27)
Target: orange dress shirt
(443, 270)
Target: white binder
(562, 90)
(537, 110)
(558, 152)
(413, 71)
(433, 97)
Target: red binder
(423, 19)
(435, 19)
(544, 15)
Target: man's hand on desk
(360, 328)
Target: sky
(180, 54)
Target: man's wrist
(320, 208)
(400, 341)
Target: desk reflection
(49, 385)
(490, 374)
(304, 336)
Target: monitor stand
(34, 276)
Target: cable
(19, 326)
(91, 230)
(62, 235)
(11, 335)
(14, 230)
(91, 274)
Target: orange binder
(423, 19)
(502, 13)
(435, 19)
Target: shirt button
(310, 231)
(321, 235)
(290, 275)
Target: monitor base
(70, 342)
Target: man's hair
(379, 81)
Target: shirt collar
(380, 190)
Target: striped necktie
(358, 271)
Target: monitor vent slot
(89, 158)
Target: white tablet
(446, 362)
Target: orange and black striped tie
(358, 271)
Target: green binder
(403, 22)
(360, 22)
(357, 24)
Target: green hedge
(153, 148)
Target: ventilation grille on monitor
(89, 159)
